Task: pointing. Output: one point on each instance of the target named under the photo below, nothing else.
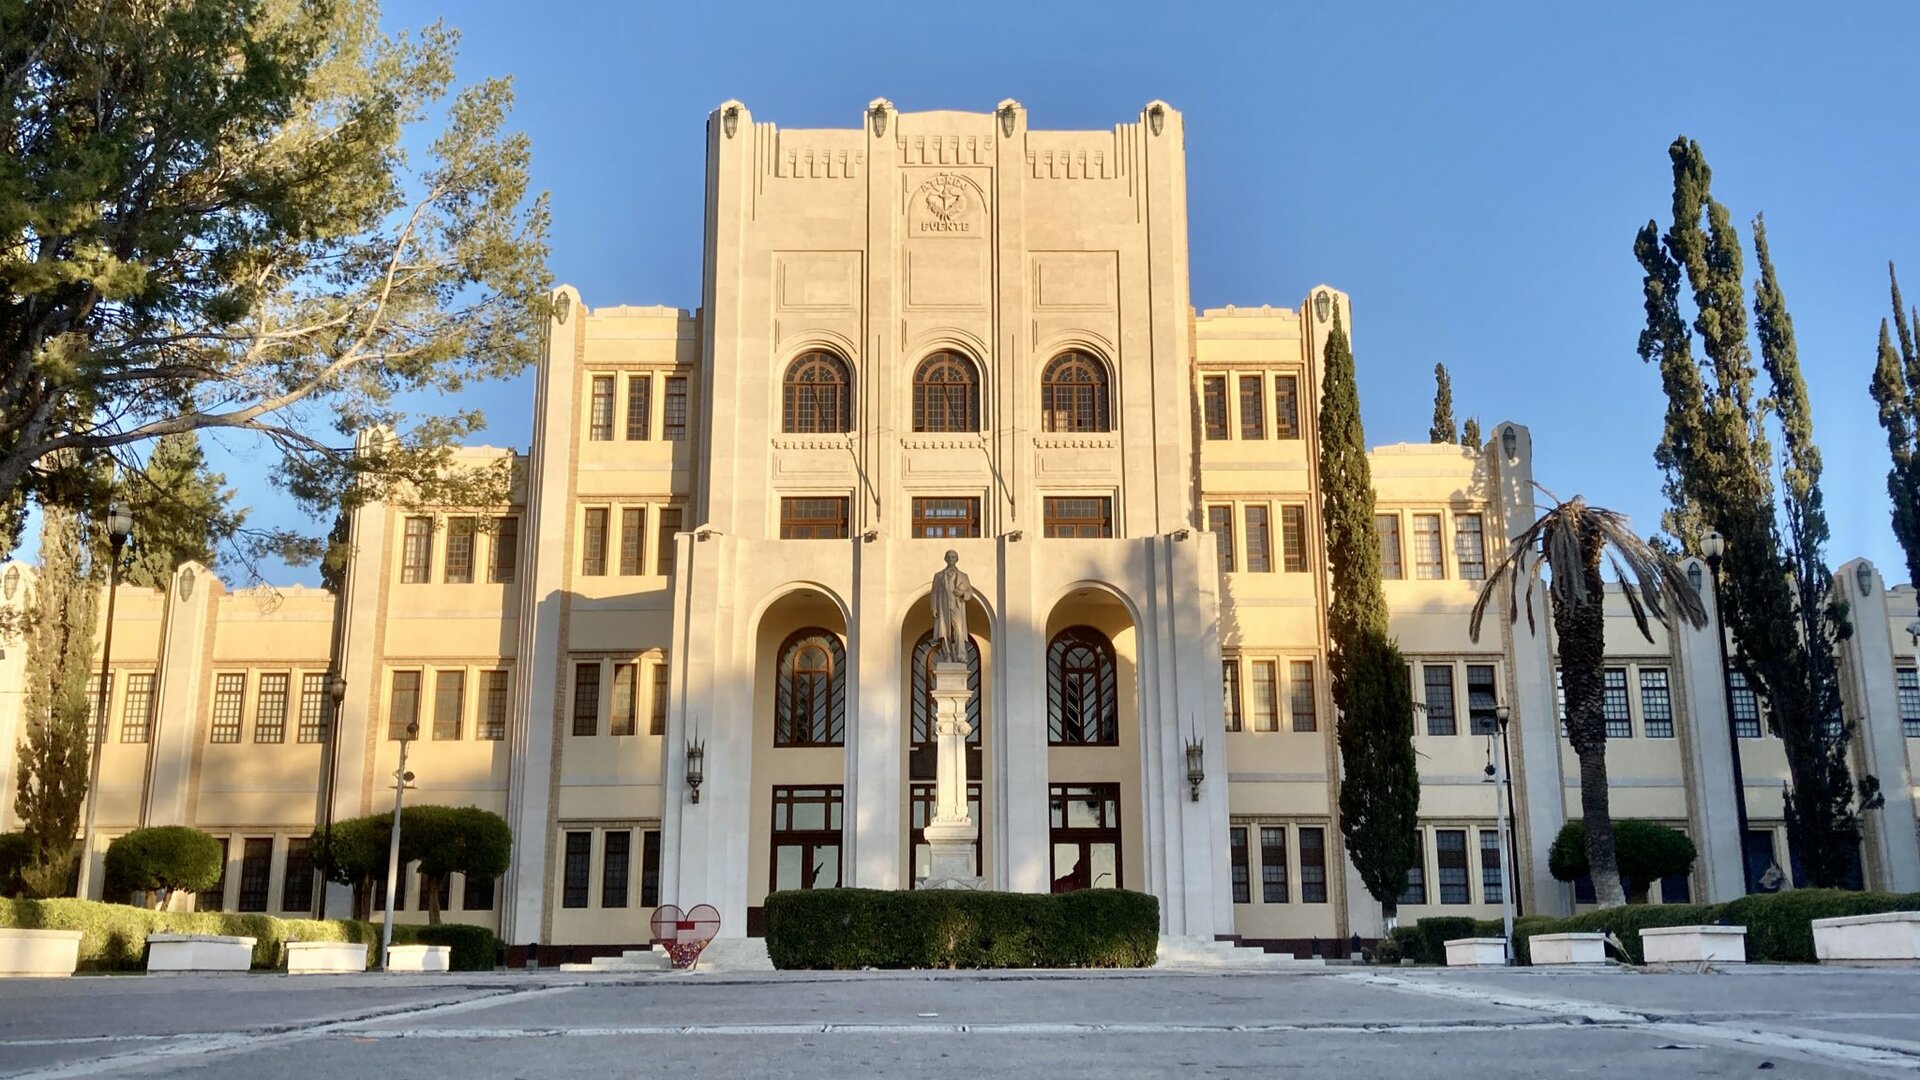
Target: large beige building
(932, 331)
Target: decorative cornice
(814, 442)
(955, 441)
(1087, 441)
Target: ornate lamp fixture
(1007, 117)
(1156, 117)
(1322, 305)
(1196, 765)
(696, 767)
(1510, 444)
(11, 583)
(730, 120)
(877, 112)
(562, 306)
(186, 583)
(1863, 576)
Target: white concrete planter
(199, 952)
(1477, 952)
(1548, 949)
(420, 958)
(39, 952)
(1891, 937)
(325, 957)
(1694, 944)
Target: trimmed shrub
(162, 859)
(845, 929)
(475, 948)
(15, 854)
(1437, 930)
(1524, 928)
(1645, 852)
(1627, 922)
(115, 935)
(1387, 951)
(1407, 939)
(1780, 925)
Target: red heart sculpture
(685, 934)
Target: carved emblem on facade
(946, 201)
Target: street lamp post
(337, 693)
(401, 778)
(1714, 547)
(1502, 714)
(119, 529)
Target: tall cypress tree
(1443, 430)
(1718, 459)
(180, 510)
(1896, 389)
(1470, 433)
(53, 751)
(1380, 786)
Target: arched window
(819, 393)
(1083, 706)
(922, 701)
(810, 699)
(946, 394)
(1073, 394)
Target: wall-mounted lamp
(1181, 534)
(1156, 119)
(696, 767)
(1007, 117)
(1863, 576)
(1322, 305)
(1196, 765)
(878, 113)
(336, 687)
(186, 583)
(10, 584)
(730, 120)
(562, 307)
(1695, 578)
(1510, 444)
(1014, 536)
(870, 535)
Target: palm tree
(1570, 540)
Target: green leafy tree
(1380, 785)
(354, 853)
(1896, 389)
(15, 856)
(1647, 851)
(1718, 459)
(1470, 434)
(1569, 542)
(181, 511)
(53, 753)
(255, 215)
(453, 840)
(162, 859)
(1443, 430)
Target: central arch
(918, 756)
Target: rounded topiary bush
(162, 859)
(1644, 851)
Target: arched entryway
(1093, 743)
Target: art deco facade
(934, 331)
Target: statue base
(951, 864)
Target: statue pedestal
(952, 832)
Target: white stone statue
(951, 592)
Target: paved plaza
(1354, 1022)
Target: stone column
(952, 831)
(1890, 850)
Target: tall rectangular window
(622, 718)
(215, 898)
(1084, 831)
(1450, 859)
(673, 424)
(416, 552)
(313, 707)
(95, 712)
(1266, 697)
(1614, 705)
(806, 836)
(1301, 696)
(296, 881)
(1441, 717)
(1230, 689)
(1293, 539)
(1746, 706)
(1388, 526)
(633, 540)
(1908, 682)
(449, 704)
(1253, 413)
(493, 707)
(1483, 699)
(270, 711)
(650, 868)
(256, 873)
(1470, 546)
(593, 547)
(600, 422)
(506, 550)
(1490, 891)
(617, 849)
(1429, 561)
(1213, 405)
(1076, 516)
(1220, 524)
(576, 879)
(1273, 864)
(1259, 541)
(639, 407)
(136, 714)
(1286, 407)
(1656, 704)
(657, 707)
(1242, 867)
(229, 697)
(459, 550)
(1416, 890)
(669, 528)
(813, 519)
(586, 698)
(476, 893)
(403, 708)
(946, 518)
(1313, 865)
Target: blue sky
(1473, 175)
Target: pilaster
(1872, 700)
(1707, 744)
(187, 632)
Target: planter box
(325, 957)
(39, 952)
(420, 958)
(1891, 937)
(1549, 949)
(199, 952)
(1694, 944)
(1477, 952)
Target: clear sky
(1473, 175)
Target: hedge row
(940, 928)
(115, 935)
(1779, 925)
